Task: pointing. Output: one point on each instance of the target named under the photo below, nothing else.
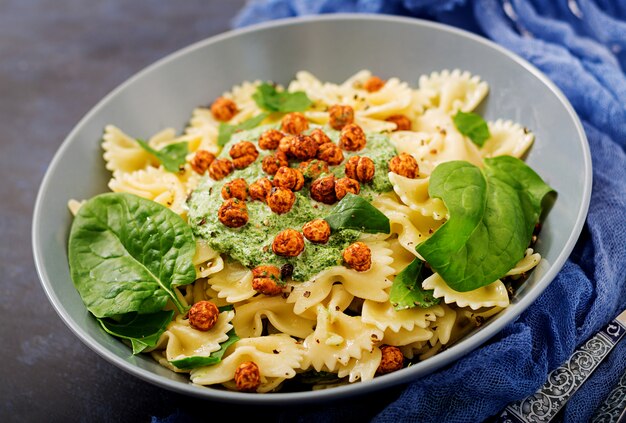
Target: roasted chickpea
(352, 138)
(243, 153)
(247, 377)
(319, 136)
(288, 243)
(220, 168)
(233, 213)
(266, 280)
(323, 189)
(273, 162)
(201, 161)
(402, 122)
(237, 188)
(313, 168)
(317, 231)
(345, 185)
(258, 190)
(373, 84)
(360, 168)
(340, 116)
(392, 359)
(223, 109)
(280, 200)
(330, 153)
(290, 178)
(203, 315)
(269, 139)
(358, 256)
(294, 123)
(285, 143)
(303, 147)
(404, 165)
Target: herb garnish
(473, 126)
(267, 97)
(214, 358)
(226, 131)
(406, 291)
(493, 212)
(172, 156)
(354, 212)
(142, 330)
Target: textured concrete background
(57, 59)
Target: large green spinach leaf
(214, 358)
(354, 212)
(127, 254)
(142, 330)
(492, 215)
(407, 292)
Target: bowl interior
(332, 48)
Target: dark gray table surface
(57, 59)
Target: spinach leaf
(473, 126)
(172, 156)
(214, 358)
(127, 254)
(142, 330)
(406, 291)
(492, 215)
(226, 131)
(267, 97)
(354, 212)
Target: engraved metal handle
(563, 381)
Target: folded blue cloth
(581, 46)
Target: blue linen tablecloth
(581, 46)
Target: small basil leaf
(226, 131)
(267, 97)
(472, 126)
(406, 291)
(214, 358)
(172, 156)
(354, 212)
(228, 307)
(127, 254)
(493, 212)
(143, 330)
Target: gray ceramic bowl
(333, 48)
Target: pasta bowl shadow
(333, 48)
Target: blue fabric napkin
(581, 46)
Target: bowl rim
(382, 382)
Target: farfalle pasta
(298, 230)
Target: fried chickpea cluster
(288, 243)
(220, 168)
(330, 153)
(259, 189)
(303, 147)
(317, 231)
(360, 168)
(237, 188)
(272, 162)
(269, 139)
(358, 256)
(244, 153)
(247, 377)
(323, 190)
(391, 360)
(345, 185)
(404, 165)
(373, 84)
(280, 200)
(352, 138)
(402, 122)
(203, 315)
(233, 213)
(311, 169)
(201, 161)
(289, 178)
(223, 109)
(294, 123)
(265, 280)
(319, 136)
(340, 116)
